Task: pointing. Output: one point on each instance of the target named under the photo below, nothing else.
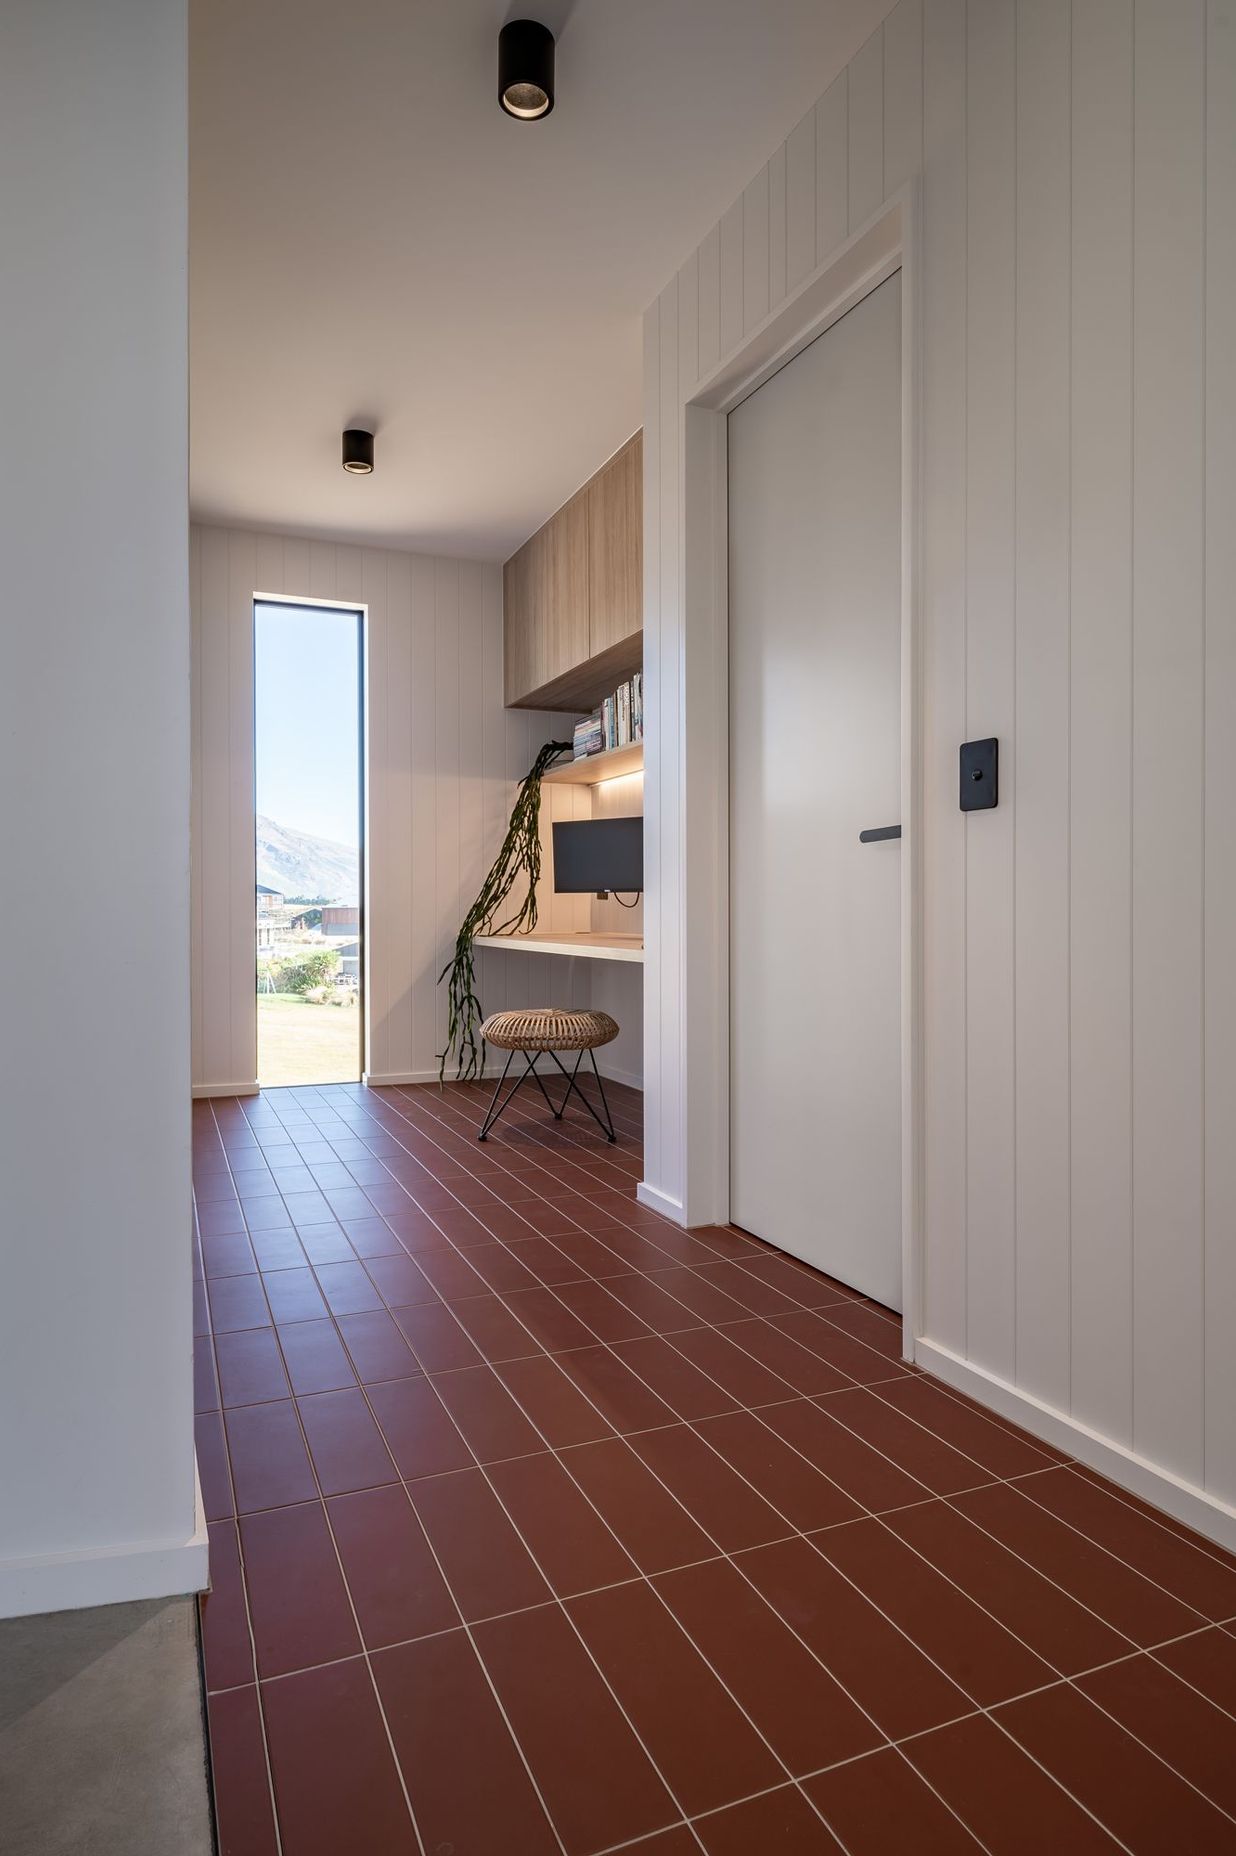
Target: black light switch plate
(979, 774)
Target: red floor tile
(608, 1383)
(1000, 1451)
(867, 1476)
(1208, 1662)
(655, 1410)
(1132, 1605)
(880, 1669)
(250, 1367)
(594, 1776)
(781, 1821)
(227, 1650)
(244, 1811)
(1153, 1550)
(880, 1804)
(469, 1788)
(270, 1466)
(486, 1565)
(332, 1765)
(654, 1528)
(1141, 1801)
(1011, 1804)
(797, 1705)
(729, 1510)
(552, 1401)
(394, 1580)
(294, 1295)
(569, 1541)
(701, 1743)
(377, 1348)
(980, 1655)
(1189, 1732)
(686, 1390)
(436, 1338)
(346, 1446)
(297, 1598)
(315, 1357)
(237, 1302)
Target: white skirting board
(660, 1202)
(108, 1575)
(492, 1072)
(203, 1090)
(1205, 1513)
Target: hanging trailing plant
(520, 852)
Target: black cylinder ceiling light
(526, 69)
(358, 452)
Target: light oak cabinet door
(616, 549)
(561, 581)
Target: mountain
(298, 864)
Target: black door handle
(878, 836)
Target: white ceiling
(372, 240)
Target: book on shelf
(588, 737)
(622, 696)
(637, 706)
(609, 722)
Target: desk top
(584, 946)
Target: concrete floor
(102, 1743)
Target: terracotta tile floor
(540, 1525)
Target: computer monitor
(599, 853)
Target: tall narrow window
(308, 735)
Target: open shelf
(593, 768)
(584, 946)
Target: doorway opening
(309, 861)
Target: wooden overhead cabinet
(573, 594)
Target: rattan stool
(548, 1029)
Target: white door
(815, 758)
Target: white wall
(1078, 480)
(96, 1429)
(445, 759)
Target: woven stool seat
(549, 1028)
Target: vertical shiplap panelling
(1168, 507)
(732, 277)
(660, 728)
(195, 804)
(776, 228)
(800, 201)
(903, 94)
(943, 608)
(755, 233)
(689, 323)
(1100, 874)
(708, 312)
(242, 578)
(670, 695)
(990, 651)
(1041, 738)
(832, 168)
(866, 130)
(446, 765)
(422, 735)
(1220, 726)
(474, 857)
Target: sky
(306, 707)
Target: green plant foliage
(306, 971)
(520, 852)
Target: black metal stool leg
(606, 1126)
(490, 1116)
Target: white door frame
(889, 241)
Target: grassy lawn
(303, 1043)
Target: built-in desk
(584, 946)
